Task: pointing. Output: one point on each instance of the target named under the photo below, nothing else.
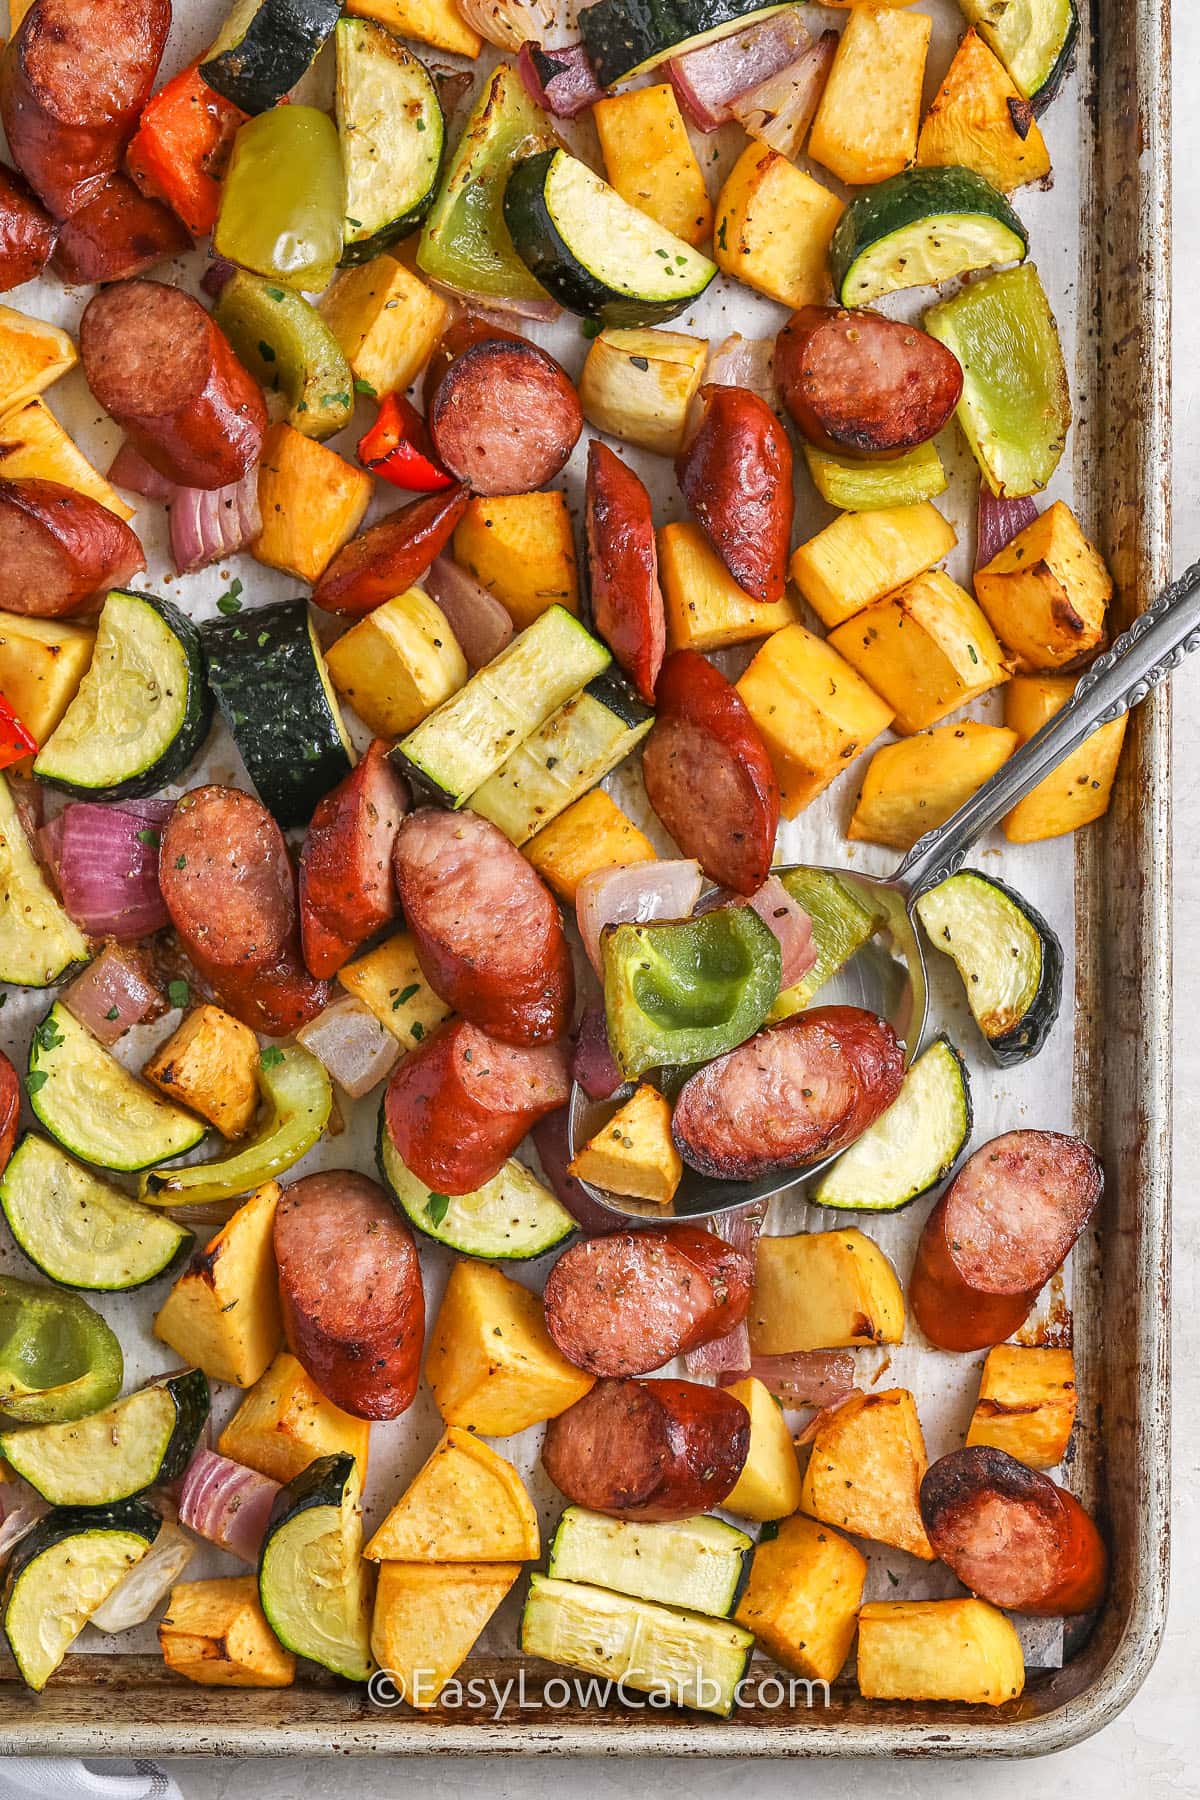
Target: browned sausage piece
(116, 235)
(505, 417)
(648, 1449)
(469, 328)
(627, 1303)
(488, 934)
(735, 473)
(73, 82)
(855, 381)
(998, 1233)
(1012, 1535)
(627, 602)
(27, 232)
(60, 551)
(347, 887)
(350, 1288)
(795, 1092)
(166, 372)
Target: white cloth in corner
(61, 1778)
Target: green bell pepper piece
(841, 925)
(465, 242)
(300, 1097)
(59, 1361)
(283, 199)
(689, 989)
(287, 346)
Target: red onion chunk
(804, 1377)
(552, 1141)
(633, 894)
(562, 82)
(791, 925)
(709, 79)
(220, 269)
(209, 524)
(546, 311)
(131, 470)
(740, 1230)
(116, 991)
(593, 1065)
(227, 1504)
(1000, 521)
(482, 626)
(510, 23)
(745, 363)
(355, 1048)
(779, 111)
(820, 1417)
(20, 1510)
(107, 866)
(140, 1593)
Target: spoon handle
(1156, 642)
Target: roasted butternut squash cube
(428, 1618)
(938, 1650)
(634, 1153)
(864, 555)
(34, 445)
(388, 980)
(216, 1633)
(42, 662)
(521, 547)
(222, 1315)
(648, 158)
(979, 121)
(465, 1505)
(1046, 594)
(706, 609)
(638, 384)
(1080, 788)
(773, 226)
(210, 1064)
(915, 785)
(33, 355)
(927, 649)
(385, 318)
(802, 1598)
(592, 834)
(769, 1484)
(856, 486)
(285, 1422)
(1026, 1405)
(822, 1289)
(436, 22)
(866, 123)
(865, 1471)
(312, 502)
(398, 663)
(491, 1362)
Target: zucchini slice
(58, 1358)
(912, 1147)
(80, 1231)
(265, 47)
(651, 1648)
(38, 941)
(1009, 959)
(393, 134)
(312, 1580)
(594, 252)
(58, 1576)
(97, 1109)
(698, 1563)
(576, 747)
(627, 37)
(145, 1440)
(271, 683)
(141, 712)
(918, 229)
(842, 923)
(1035, 41)
(511, 1218)
(288, 347)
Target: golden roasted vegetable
(927, 649)
(856, 486)
(285, 1422)
(591, 834)
(428, 1618)
(385, 319)
(1046, 593)
(1080, 788)
(648, 158)
(773, 227)
(465, 1505)
(216, 1633)
(769, 1484)
(802, 1598)
(822, 1289)
(634, 1153)
(979, 121)
(33, 355)
(398, 663)
(491, 1362)
(864, 555)
(312, 502)
(521, 547)
(915, 785)
(866, 123)
(706, 609)
(388, 980)
(223, 1313)
(42, 662)
(638, 385)
(938, 1650)
(865, 1471)
(436, 22)
(1026, 1404)
(33, 444)
(814, 712)
(210, 1063)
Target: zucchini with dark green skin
(312, 1580)
(265, 47)
(393, 134)
(1010, 961)
(918, 229)
(58, 1358)
(1035, 41)
(626, 37)
(143, 1441)
(700, 1564)
(912, 1147)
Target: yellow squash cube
(465, 1505)
(285, 1422)
(389, 982)
(864, 555)
(927, 649)
(706, 609)
(312, 502)
(865, 1471)
(1046, 594)
(648, 158)
(866, 123)
(42, 662)
(429, 1616)
(1080, 788)
(915, 785)
(521, 547)
(491, 1362)
(222, 1315)
(822, 1289)
(33, 355)
(436, 22)
(1026, 1405)
(216, 1633)
(634, 1153)
(398, 663)
(386, 320)
(33, 444)
(979, 121)
(857, 486)
(773, 227)
(938, 1650)
(769, 1484)
(638, 384)
(592, 834)
(802, 1598)
(210, 1064)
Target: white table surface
(1153, 1749)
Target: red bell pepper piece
(398, 449)
(16, 740)
(181, 148)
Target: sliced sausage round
(350, 1290)
(708, 775)
(648, 1449)
(347, 886)
(167, 373)
(461, 333)
(626, 1303)
(60, 551)
(387, 558)
(627, 602)
(488, 934)
(27, 231)
(116, 235)
(857, 382)
(10, 1108)
(504, 417)
(998, 1233)
(736, 476)
(1012, 1535)
(797, 1091)
(457, 1107)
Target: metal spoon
(887, 976)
